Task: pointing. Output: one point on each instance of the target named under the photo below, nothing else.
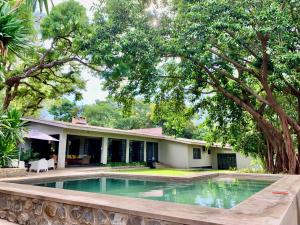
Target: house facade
(81, 144)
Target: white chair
(51, 164)
(15, 164)
(39, 165)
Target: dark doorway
(152, 151)
(93, 148)
(116, 150)
(74, 145)
(136, 151)
(42, 147)
(226, 161)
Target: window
(209, 151)
(196, 153)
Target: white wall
(171, 153)
(50, 130)
(205, 160)
(243, 161)
(174, 154)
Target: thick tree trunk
(298, 136)
(7, 99)
(291, 162)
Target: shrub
(11, 134)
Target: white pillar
(145, 151)
(127, 151)
(104, 150)
(59, 184)
(62, 147)
(103, 184)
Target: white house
(79, 143)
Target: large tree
(244, 53)
(64, 110)
(50, 67)
(111, 114)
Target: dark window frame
(197, 153)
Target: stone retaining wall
(12, 172)
(29, 211)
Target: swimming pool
(216, 193)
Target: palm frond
(41, 3)
(13, 34)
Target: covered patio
(41, 143)
(84, 147)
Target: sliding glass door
(136, 151)
(152, 151)
(116, 150)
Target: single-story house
(78, 143)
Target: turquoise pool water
(217, 193)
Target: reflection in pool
(217, 193)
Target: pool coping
(264, 207)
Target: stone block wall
(12, 172)
(30, 211)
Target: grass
(165, 171)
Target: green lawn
(165, 171)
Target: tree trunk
(7, 98)
(298, 136)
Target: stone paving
(4, 222)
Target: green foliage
(110, 114)
(166, 114)
(236, 62)
(11, 133)
(64, 19)
(13, 33)
(29, 155)
(46, 72)
(41, 3)
(64, 110)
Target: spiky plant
(11, 134)
(13, 34)
(41, 3)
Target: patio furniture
(15, 163)
(51, 164)
(85, 160)
(39, 165)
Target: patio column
(127, 150)
(145, 151)
(104, 150)
(62, 147)
(103, 184)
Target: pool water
(217, 193)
